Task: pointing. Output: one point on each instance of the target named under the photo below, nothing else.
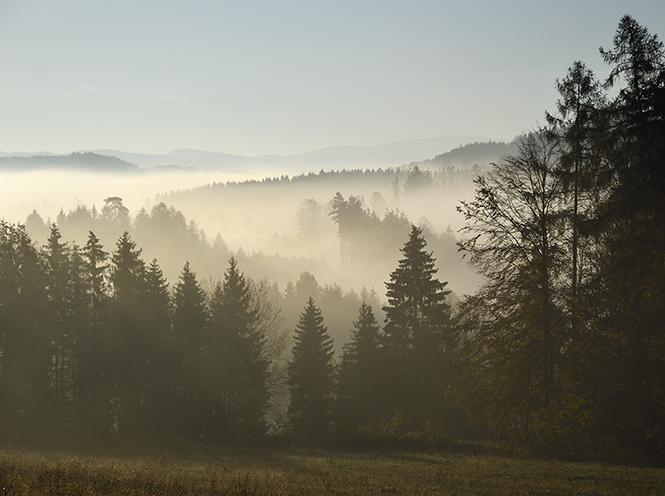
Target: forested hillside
(76, 161)
(340, 322)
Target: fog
(279, 227)
(254, 213)
(49, 191)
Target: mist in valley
(280, 228)
(391, 243)
(239, 319)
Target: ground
(295, 471)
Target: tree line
(95, 342)
(561, 349)
(563, 345)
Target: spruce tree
(24, 346)
(362, 384)
(311, 374)
(236, 358)
(629, 294)
(97, 269)
(156, 320)
(418, 335)
(128, 279)
(96, 387)
(56, 255)
(190, 321)
(79, 330)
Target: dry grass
(234, 471)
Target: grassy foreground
(258, 472)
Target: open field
(258, 472)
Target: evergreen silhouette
(190, 323)
(418, 334)
(311, 374)
(362, 385)
(236, 358)
(128, 280)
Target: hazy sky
(282, 77)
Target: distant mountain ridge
(334, 157)
(435, 151)
(476, 153)
(82, 161)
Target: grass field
(258, 472)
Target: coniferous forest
(560, 351)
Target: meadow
(296, 471)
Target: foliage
(418, 336)
(311, 374)
(563, 344)
(235, 357)
(561, 350)
(362, 385)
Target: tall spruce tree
(236, 359)
(128, 279)
(190, 323)
(418, 335)
(311, 374)
(628, 290)
(56, 255)
(97, 268)
(24, 344)
(96, 385)
(362, 386)
(160, 375)
(580, 126)
(79, 327)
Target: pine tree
(311, 374)
(156, 321)
(128, 279)
(97, 368)
(628, 290)
(114, 218)
(236, 357)
(190, 323)
(362, 386)
(418, 335)
(56, 255)
(24, 345)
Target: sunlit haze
(317, 247)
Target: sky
(284, 77)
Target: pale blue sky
(282, 77)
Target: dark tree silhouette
(56, 256)
(97, 370)
(25, 346)
(236, 358)
(418, 335)
(160, 355)
(514, 233)
(311, 374)
(190, 323)
(128, 280)
(362, 386)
